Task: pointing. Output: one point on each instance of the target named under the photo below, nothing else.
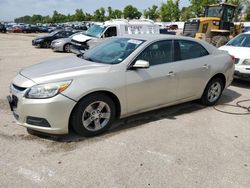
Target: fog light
(37, 121)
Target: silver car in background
(118, 78)
(63, 44)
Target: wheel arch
(110, 94)
(217, 75)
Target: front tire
(93, 115)
(46, 44)
(213, 92)
(67, 48)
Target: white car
(239, 47)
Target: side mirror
(141, 64)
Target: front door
(155, 86)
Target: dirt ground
(186, 145)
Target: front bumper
(53, 112)
(57, 47)
(35, 43)
(242, 76)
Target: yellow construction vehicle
(216, 26)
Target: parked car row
(97, 33)
(45, 41)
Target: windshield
(240, 41)
(53, 33)
(214, 12)
(113, 51)
(95, 31)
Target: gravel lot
(182, 146)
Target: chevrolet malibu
(118, 78)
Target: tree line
(167, 12)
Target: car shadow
(241, 83)
(131, 122)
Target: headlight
(57, 42)
(49, 90)
(39, 40)
(246, 62)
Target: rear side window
(157, 53)
(185, 49)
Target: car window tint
(157, 53)
(60, 34)
(185, 49)
(111, 31)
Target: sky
(11, 9)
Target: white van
(99, 32)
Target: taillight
(233, 58)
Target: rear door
(192, 66)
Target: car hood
(43, 37)
(81, 38)
(238, 52)
(63, 68)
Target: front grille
(190, 28)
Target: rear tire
(212, 92)
(93, 115)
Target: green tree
(117, 14)
(152, 12)
(186, 13)
(99, 15)
(58, 17)
(247, 12)
(113, 14)
(79, 15)
(198, 6)
(131, 12)
(170, 11)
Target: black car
(30, 29)
(2, 28)
(45, 41)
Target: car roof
(155, 37)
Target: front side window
(185, 49)
(113, 51)
(157, 53)
(111, 32)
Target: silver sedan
(118, 78)
(63, 44)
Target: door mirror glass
(141, 64)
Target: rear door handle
(171, 74)
(206, 66)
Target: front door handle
(171, 74)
